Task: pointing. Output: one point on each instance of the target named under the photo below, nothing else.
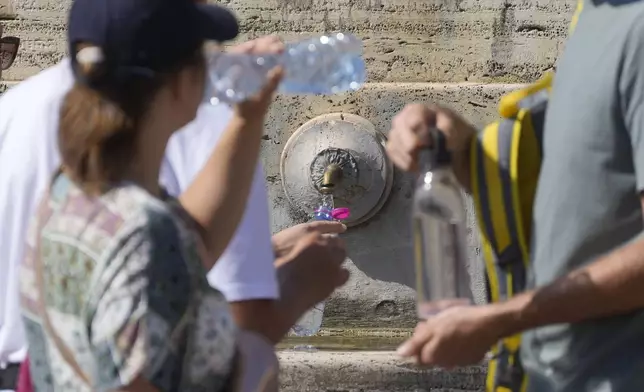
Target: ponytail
(96, 138)
(100, 120)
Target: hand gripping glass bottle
(439, 234)
(309, 324)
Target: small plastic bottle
(309, 324)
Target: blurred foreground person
(262, 278)
(113, 286)
(584, 312)
(9, 366)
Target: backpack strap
(506, 159)
(42, 217)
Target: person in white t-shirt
(245, 273)
(8, 52)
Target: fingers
(274, 45)
(404, 160)
(258, 105)
(342, 277)
(332, 247)
(409, 133)
(426, 355)
(270, 44)
(272, 82)
(336, 248)
(414, 345)
(326, 227)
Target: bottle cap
(437, 155)
(442, 155)
(340, 213)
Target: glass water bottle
(439, 234)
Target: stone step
(370, 371)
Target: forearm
(260, 316)
(612, 285)
(269, 318)
(217, 197)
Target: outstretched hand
(311, 271)
(459, 336)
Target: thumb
(327, 227)
(272, 82)
(414, 345)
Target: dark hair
(99, 126)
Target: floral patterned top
(125, 290)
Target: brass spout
(331, 178)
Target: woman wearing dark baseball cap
(113, 288)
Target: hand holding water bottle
(411, 132)
(312, 270)
(256, 106)
(458, 336)
(285, 240)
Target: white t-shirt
(29, 156)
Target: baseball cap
(143, 37)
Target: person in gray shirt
(584, 315)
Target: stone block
(405, 41)
(367, 371)
(6, 9)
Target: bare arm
(610, 286)
(216, 199)
(614, 284)
(283, 313)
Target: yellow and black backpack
(505, 166)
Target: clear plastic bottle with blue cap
(309, 324)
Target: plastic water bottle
(442, 279)
(309, 324)
(328, 64)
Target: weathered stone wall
(463, 53)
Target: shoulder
(33, 106)
(157, 221)
(151, 252)
(156, 230)
(52, 82)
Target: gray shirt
(588, 197)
